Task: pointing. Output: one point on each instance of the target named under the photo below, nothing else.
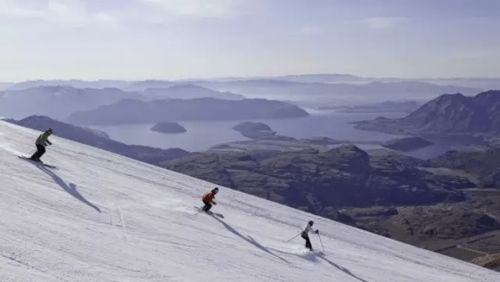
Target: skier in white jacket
(305, 234)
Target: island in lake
(168, 128)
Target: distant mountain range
(331, 94)
(99, 84)
(336, 89)
(447, 114)
(307, 90)
(188, 91)
(404, 106)
(478, 82)
(322, 78)
(147, 84)
(60, 101)
(100, 140)
(136, 111)
(57, 101)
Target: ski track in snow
(104, 217)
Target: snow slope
(104, 217)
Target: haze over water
(202, 135)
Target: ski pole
(321, 241)
(293, 237)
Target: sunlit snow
(104, 217)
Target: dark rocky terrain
(494, 140)
(483, 164)
(97, 139)
(467, 230)
(137, 111)
(168, 127)
(321, 181)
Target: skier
(305, 234)
(41, 142)
(208, 199)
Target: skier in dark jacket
(41, 142)
(208, 199)
(305, 234)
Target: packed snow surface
(104, 217)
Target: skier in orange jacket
(208, 199)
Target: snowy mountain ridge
(104, 217)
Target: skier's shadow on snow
(249, 239)
(345, 270)
(70, 189)
(314, 258)
(341, 268)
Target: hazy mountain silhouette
(324, 94)
(322, 78)
(57, 101)
(76, 83)
(136, 111)
(145, 84)
(447, 114)
(188, 91)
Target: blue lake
(201, 135)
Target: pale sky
(175, 39)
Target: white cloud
(196, 8)
(382, 22)
(68, 13)
(76, 13)
(19, 9)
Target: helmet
(311, 222)
(215, 190)
(49, 130)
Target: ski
(37, 162)
(200, 210)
